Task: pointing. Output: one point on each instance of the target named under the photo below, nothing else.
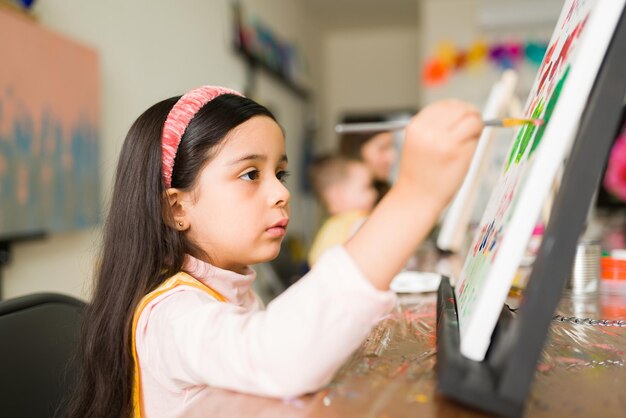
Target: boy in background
(345, 187)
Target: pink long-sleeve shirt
(188, 342)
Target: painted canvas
(49, 107)
(558, 96)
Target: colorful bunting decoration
(448, 58)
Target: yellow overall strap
(180, 279)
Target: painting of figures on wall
(49, 115)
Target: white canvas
(558, 96)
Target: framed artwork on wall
(49, 130)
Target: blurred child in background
(376, 150)
(346, 190)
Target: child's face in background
(357, 190)
(240, 207)
(379, 154)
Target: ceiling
(352, 14)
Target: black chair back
(38, 338)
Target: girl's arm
(293, 347)
(438, 147)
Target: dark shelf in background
(255, 63)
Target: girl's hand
(438, 147)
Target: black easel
(500, 384)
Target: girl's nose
(279, 195)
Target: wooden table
(581, 373)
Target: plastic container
(619, 254)
(613, 274)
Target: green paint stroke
(529, 131)
(523, 137)
(549, 109)
(514, 149)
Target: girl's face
(380, 155)
(239, 210)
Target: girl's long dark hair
(140, 250)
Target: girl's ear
(176, 204)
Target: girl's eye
(250, 175)
(282, 175)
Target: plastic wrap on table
(392, 375)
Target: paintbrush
(512, 122)
(394, 125)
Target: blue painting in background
(49, 131)
(49, 180)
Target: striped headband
(177, 121)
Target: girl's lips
(279, 229)
(281, 223)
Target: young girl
(199, 195)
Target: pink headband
(177, 121)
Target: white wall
(368, 70)
(290, 21)
(380, 68)
(148, 50)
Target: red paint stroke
(400, 370)
(606, 331)
(565, 50)
(543, 367)
(547, 61)
(569, 14)
(544, 77)
(463, 285)
(570, 360)
(609, 347)
(550, 66)
(410, 316)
